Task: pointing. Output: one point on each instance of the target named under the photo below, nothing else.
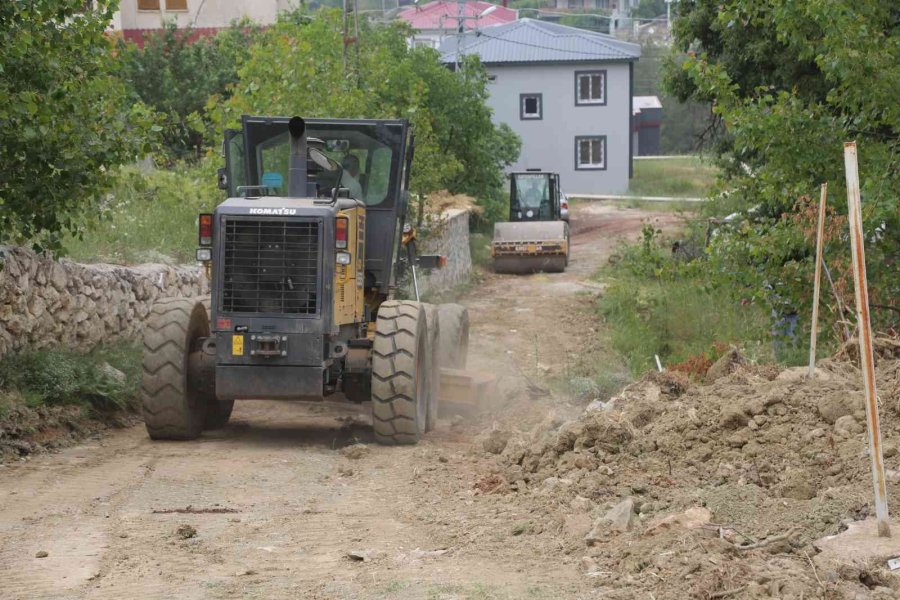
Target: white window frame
(601, 101)
(594, 165)
(525, 116)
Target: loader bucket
(530, 247)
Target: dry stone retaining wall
(44, 302)
(449, 237)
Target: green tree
(684, 123)
(176, 76)
(297, 67)
(791, 81)
(65, 120)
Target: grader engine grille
(271, 267)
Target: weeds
(105, 380)
(149, 217)
(686, 177)
(480, 249)
(665, 303)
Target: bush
(61, 376)
(660, 303)
(150, 216)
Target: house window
(155, 4)
(590, 87)
(531, 106)
(590, 152)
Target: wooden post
(817, 280)
(866, 357)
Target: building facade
(567, 93)
(647, 118)
(136, 18)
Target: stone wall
(44, 302)
(448, 236)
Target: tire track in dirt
(300, 505)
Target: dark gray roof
(530, 41)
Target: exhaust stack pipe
(298, 186)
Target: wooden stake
(866, 356)
(817, 280)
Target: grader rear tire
(400, 373)
(454, 336)
(172, 407)
(433, 325)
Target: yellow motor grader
(304, 258)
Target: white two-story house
(567, 92)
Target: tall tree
(64, 119)
(296, 67)
(175, 74)
(791, 80)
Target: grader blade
(465, 392)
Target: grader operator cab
(536, 237)
(303, 259)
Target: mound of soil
(729, 482)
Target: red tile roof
(429, 15)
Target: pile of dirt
(775, 460)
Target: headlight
(204, 254)
(343, 258)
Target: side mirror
(222, 178)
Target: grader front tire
(172, 408)
(399, 373)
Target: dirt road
(271, 506)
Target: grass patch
(684, 311)
(677, 320)
(105, 380)
(686, 177)
(480, 249)
(149, 216)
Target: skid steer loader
(536, 237)
(302, 259)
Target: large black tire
(433, 325)
(173, 409)
(400, 373)
(454, 336)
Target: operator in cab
(350, 177)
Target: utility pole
(459, 31)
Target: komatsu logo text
(273, 211)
